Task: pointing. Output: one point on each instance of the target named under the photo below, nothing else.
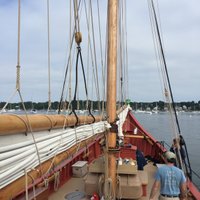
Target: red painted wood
(128, 152)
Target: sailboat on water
(46, 156)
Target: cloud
(180, 32)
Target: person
(170, 179)
(141, 161)
(178, 146)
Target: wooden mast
(111, 86)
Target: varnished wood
(11, 124)
(135, 136)
(111, 85)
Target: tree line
(94, 105)
(162, 106)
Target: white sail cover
(20, 153)
(122, 117)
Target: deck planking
(77, 184)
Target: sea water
(160, 127)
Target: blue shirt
(170, 178)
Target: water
(160, 127)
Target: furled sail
(19, 151)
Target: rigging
(49, 57)
(168, 89)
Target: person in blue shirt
(170, 179)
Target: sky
(180, 22)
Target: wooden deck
(77, 184)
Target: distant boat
(139, 111)
(149, 112)
(11, 110)
(155, 111)
(33, 111)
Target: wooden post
(111, 85)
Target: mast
(111, 87)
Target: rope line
(95, 57)
(49, 57)
(101, 48)
(168, 90)
(67, 67)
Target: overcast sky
(180, 21)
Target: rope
(88, 51)
(160, 53)
(76, 17)
(121, 34)
(49, 58)
(126, 52)
(9, 100)
(158, 59)
(19, 92)
(110, 190)
(67, 67)
(68, 63)
(18, 47)
(26, 184)
(95, 58)
(78, 144)
(19, 28)
(33, 137)
(18, 78)
(74, 102)
(189, 170)
(18, 86)
(119, 187)
(58, 147)
(88, 16)
(34, 193)
(101, 50)
(165, 64)
(104, 70)
(168, 90)
(78, 38)
(100, 184)
(46, 182)
(56, 180)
